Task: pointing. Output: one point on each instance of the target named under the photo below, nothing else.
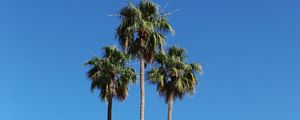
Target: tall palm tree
(174, 78)
(141, 34)
(110, 76)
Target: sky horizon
(250, 49)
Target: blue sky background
(250, 49)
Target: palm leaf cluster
(142, 28)
(173, 76)
(110, 71)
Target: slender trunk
(142, 89)
(109, 108)
(170, 107)
(142, 80)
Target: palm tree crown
(174, 77)
(142, 29)
(111, 71)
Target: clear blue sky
(250, 49)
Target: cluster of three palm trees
(141, 35)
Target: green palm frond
(176, 53)
(163, 25)
(110, 70)
(148, 9)
(142, 22)
(173, 76)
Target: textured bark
(142, 89)
(142, 78)
(170, 107)
(109, 108)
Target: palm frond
(110, 71)
(173, 76)
(142, 22)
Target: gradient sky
(250, 49)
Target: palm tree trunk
(142, 78)
(142, 88)
(109, 109)
(170, 107)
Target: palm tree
(174, 78)
(141, 34)
(110, 76)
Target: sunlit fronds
(174, 76)
(110, 70)
(145, 23)
(176, 53)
